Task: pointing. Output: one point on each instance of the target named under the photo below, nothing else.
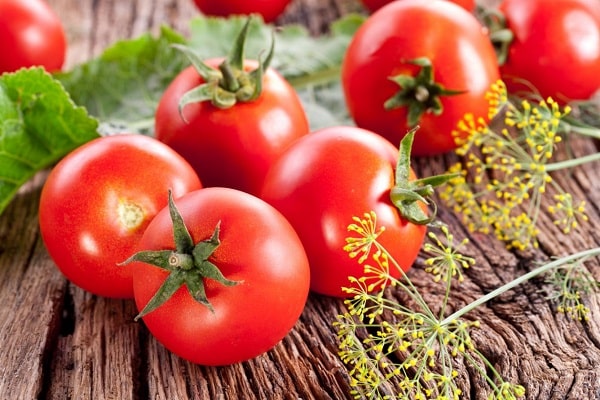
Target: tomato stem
(500, 35)
(230, 83)
(229, 78)
(188, 264)
(420, 93)
(181, 261)
(407, 194)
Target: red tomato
(374, 5)
(231, 147)
(556, 49)
(97, 202)
(258, 248)
(388, 44)
(30, 35)
(269, 9)
(324, 180)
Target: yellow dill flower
(497, 98)
(366, 228)
(506, 170)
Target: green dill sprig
(570, 284)
(507, 166)
(394, 351)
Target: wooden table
(59, 342)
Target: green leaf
(305, 60)
(325, 105)
(39, 124)
(213, 37)
(123, 85)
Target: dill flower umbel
(506, 170)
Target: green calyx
(230, 83)
(188, 264)
(500, 35)
(407, 194)
(420, 93)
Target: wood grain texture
(58, 342)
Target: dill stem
(574, 162)
(573, 126)
(521, 279)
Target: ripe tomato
(556, 48)
(268, 9)
(97, 202)
(31, 34)
(231, 147)
(324, 180)
(395, 44)
(374, 5)
(257, 249)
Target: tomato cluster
(105, 205)
(256, 211)
(220, 225)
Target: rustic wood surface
(59, 342)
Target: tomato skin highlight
(459, 49)
(268, 9)
(231, 147)
(556, 48)
(31, 34)
(259, 248)
(97, 202)
(374, 5)
(324, 180)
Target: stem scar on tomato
(131, 215)
(420, 93)
(230, 83)
(188, 264)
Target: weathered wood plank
(30, 298)
(97, 354)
